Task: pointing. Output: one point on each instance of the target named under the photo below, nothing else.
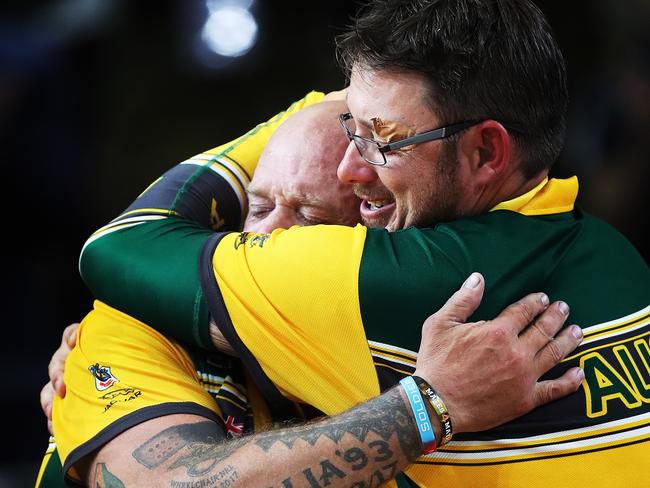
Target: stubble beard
(442, 202)
(435, 204)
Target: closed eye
(259, 212)
(307, 218)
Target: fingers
(59, 386)
(518, 315)
(557, 349)
(550, 390)
(543, 329)
(55, 371)
(336, 95)
(57, 363)
(70, 335)
(47, 397)
(465, 301)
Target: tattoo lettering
(313, 482)
(356, 457)
(225, 478)
(383, 449)
(382, 475)
(380, 478)
(329, 471)
(377, 477)
(392, 470)
(199, 448)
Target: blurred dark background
(97, 97)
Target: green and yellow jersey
(122, 372)
(331, 315)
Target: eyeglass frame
(383, 148)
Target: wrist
(441, 415)
(435, 421)
(420, 412)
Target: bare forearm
(219, 341)
(362, 447)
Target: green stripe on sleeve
(150, 271)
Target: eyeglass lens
(368, 149)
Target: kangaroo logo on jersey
(255, 240)
(241, 239)
(104, 379)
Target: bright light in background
(216, 4)
(230, 30)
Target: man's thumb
(465, 301)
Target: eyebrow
(256, 193)
(365, 123)
(307, 199)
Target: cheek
(418, 175)
(398, 180)
(346, 211)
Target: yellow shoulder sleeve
(120, 366)
(269, 283)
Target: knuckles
(547, 392)
(555, 351)
(517, 363)
(525, 311)
(498, 334)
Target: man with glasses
(477, 199)
(374, 152)
(292, 185)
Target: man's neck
(511, 187)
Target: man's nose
(354, 169)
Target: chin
(376, 223)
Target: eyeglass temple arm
(431, 135)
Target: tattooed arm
(374, 441)
(363, 447)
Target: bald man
(163, 393)
(294, 183)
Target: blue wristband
(425, 428)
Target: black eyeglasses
(374, 152)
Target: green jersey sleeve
(145, 262)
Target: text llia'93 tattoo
(384, 416)
(201, 447)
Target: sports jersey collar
(552, 196)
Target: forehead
(393, 96)
(290, 163)
(296, 176)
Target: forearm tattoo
(105, 479)
(203, 453)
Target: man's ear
(486, 150)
